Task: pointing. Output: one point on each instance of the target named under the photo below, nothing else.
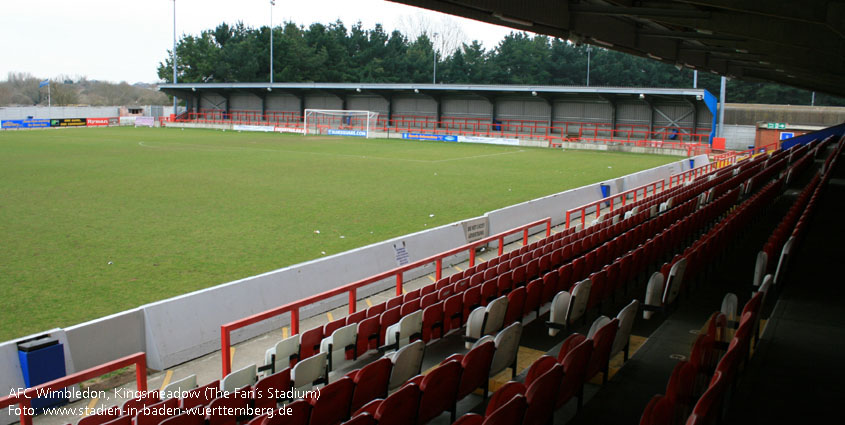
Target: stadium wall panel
(531, 109)
(368, 103)
(212, 101)
(467, 107)
(414, 105)
(244, 102)
(282, 102)
(323, 101)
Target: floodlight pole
(272, 3)
(695, 79)
(589, 50)
(175, 101)
(434, 49)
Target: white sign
(145, 122)
(488, 140)
(476, 229)
(290, 130)
(244, 127)
(401, 254)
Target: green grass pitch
(96, 221)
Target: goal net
(339, 122)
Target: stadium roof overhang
(183, 90)
(796, 43)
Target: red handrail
(611, 199)
(351, 288)
(22, 398)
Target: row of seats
(550, 382)
(698, 388)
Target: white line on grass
(230, 148)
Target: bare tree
(444, 31)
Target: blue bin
(42, 360)
(605, 192)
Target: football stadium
(465, 251)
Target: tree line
(25, 89)
(333, 53)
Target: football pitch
(96, 221)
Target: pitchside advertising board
(59, 122)
(353, 133)
(244, 127)
(12, 124)
(461, 139)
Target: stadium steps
(797, 373)
(670, 339)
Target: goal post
(339, 122)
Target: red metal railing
(351, 288)
(23, 398)
(611, 200)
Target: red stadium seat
(334, 325)
(299, 412)
(439, 392)
(376, 310)
(369, 331)
(453, 313)
(265, 387)
(516, 303)
(331, 407)
(309, 342)
(574, 370)
(476, 366)
(432, 322)
(541, 396)
(370, 382)
(185, 419)
(386, 319)
(602, 344)
(158, 412)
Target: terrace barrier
(351, 288)
(611, 200)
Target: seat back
(597, 324)
(376, 310)
(386, 320)
(574, 372)
(201, 396)
(337, 344)
(266, 387)
(560, 307)
(177, 388)
(760, 267)
(475, 325)
(476, 368)
(244, 377)
(285, 352)
(309, 342)
(453, 312)
(400, 408)
(602, 344)
(310, 371)
(495, 315)
(407, 363)
(674, 281)
(541, 396)
(730, 304)
(408, 326)
(371, 382)
(653, 294)
(511, 413)
(516, 303)
(332, 326)
(432, 322)
(439, 391)
(784, 258)
(581, 295)
(368, 335)
(331, 407)
(507, 346)
(626, 318)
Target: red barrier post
(501, 245)
(352, 299)
(439, 268)
(398, 284)
(472, 256)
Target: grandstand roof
(794, 43)
(377, 88)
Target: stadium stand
(409, 358)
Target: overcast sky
(121, 40)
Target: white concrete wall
(182, 328)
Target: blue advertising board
(354, 133)
(437, 137)
(32, 123)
